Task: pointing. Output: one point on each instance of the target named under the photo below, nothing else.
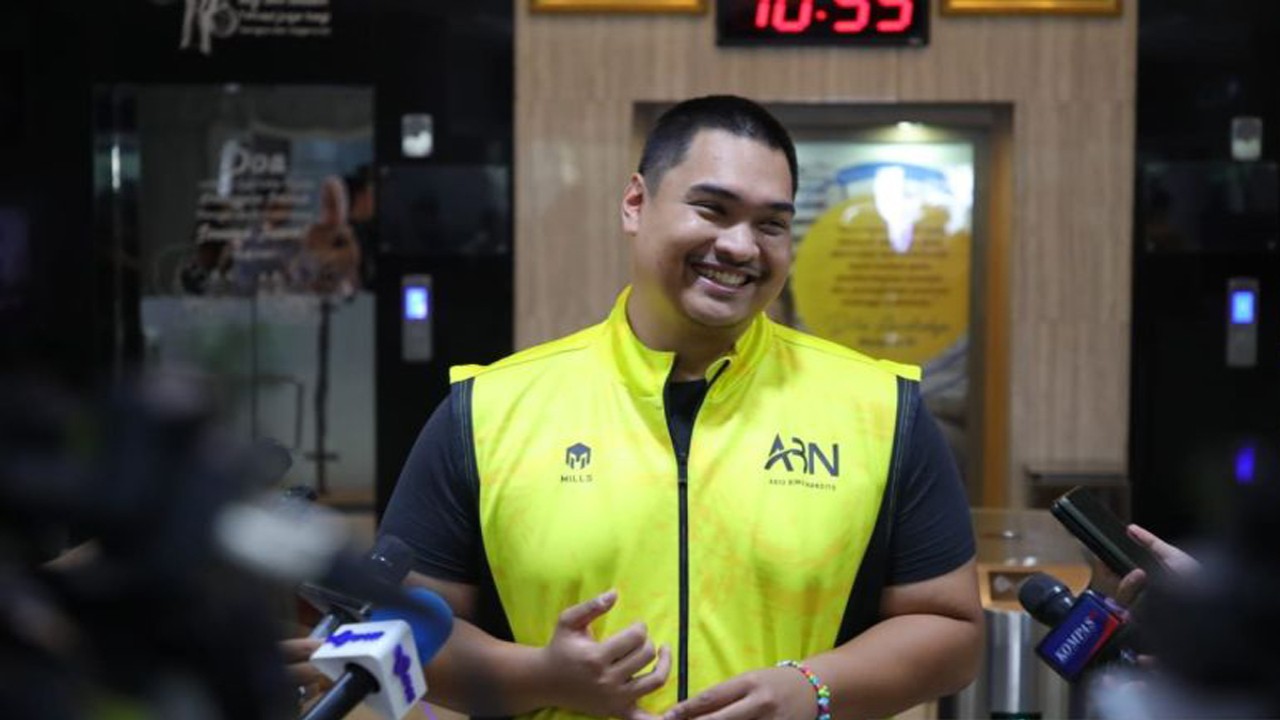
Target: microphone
(1085, 631)
(380, 663)
(387, 564)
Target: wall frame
(621, 6)
(1032, 7)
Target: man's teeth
(724, 278)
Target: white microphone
(371, 662)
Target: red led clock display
(822, 22)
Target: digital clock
(822, 22)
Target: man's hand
(772, 694)
(298, 668)
(599, 677)
(1178, 562)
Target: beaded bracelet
(823, 692)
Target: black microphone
(1085, 631)
(386, 565)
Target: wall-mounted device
(416, 312)
(1242, 322)
(417, 135)
(1246, 138)
(822, 22)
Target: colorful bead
(822, 690)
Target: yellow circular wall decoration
(905, 299)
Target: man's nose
(737, 243)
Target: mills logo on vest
(577, 457)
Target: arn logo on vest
(577, 457)
(803, 457)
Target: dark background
(1199, 65)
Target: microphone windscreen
(428, 615)
(1046, 598)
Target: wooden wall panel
(1069, 80)
(571, 256)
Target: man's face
(712, 243)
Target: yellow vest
(580, 492)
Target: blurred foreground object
(169, 615)
(1212, 631)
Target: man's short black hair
(669, 140)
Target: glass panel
(254, 213)
(1209, 207)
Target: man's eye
(709, 207)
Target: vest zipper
(682, 675)
(682, 486)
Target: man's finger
(655, 678)
(627, 641)
(1172, 557)
(299, 649)
(709, 701)
(304, 674)
(1148, 539)
(296, 653)
(635, 662)
(744, 708)
(1130, 586)
(579, 616)
(1141, 534)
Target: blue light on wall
(1243, 307)
(417, 303)
(1246, 461)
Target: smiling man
(689, 510)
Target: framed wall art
(622, 6)
(1031, 7)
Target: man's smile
(721, 275)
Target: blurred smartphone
(1103, 533)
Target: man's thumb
(579, 616)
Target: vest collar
(645, 371)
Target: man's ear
(633, 199)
